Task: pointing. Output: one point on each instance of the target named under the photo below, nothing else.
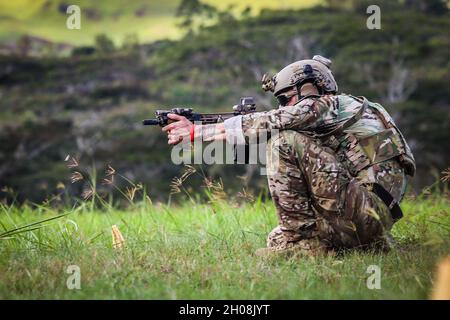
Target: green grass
(205, 251)
(42, 18)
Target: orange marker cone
(441, 289)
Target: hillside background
(84, 92)
(149, 19)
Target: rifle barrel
(150, 122)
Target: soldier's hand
(178, 130)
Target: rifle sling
(388, 199)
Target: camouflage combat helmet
(315, 70)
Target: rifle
(246, 105)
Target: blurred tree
(23, 45)
(83, 51)
(130, 42)
(190, 10)
(227, 16)
(360, 6)
(104, 44)
(436, 7)
(246, 12)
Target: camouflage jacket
(373, 139)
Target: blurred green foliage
(104, 44)
(90, 104)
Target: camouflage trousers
(318, 203)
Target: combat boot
(310, 247)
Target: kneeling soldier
(336, 167)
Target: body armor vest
(362, 152)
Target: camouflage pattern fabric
(321, 202)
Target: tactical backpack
(364, 152)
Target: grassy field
(150, 20)
(205, 251)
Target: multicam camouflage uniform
(337, 165)
(321, 184)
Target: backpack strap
(355, 118)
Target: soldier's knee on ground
(365, 220)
